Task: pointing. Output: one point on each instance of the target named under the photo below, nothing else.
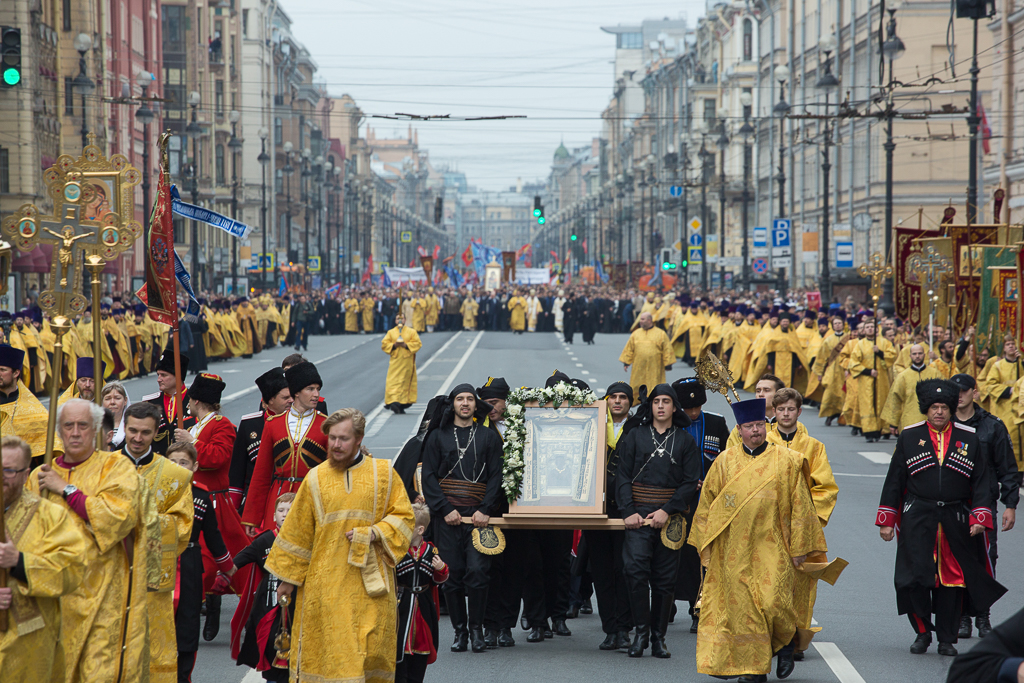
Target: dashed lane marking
(838, 662)
(877, 457)
(454, 373)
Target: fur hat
(11, 357)
(206, 387)
(301, 376)
(690, 391)
(932, 391)
(495, 387)
(271, 383)
(166, 362)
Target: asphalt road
(863, 639)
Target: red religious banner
(1006, 288)
(906, 286)
(967, 264)
(428, 266)
(161, 287)
(814, 300)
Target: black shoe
(965, 628)
(658, 647)
(640, 643)
(785, 666)
(947, 649)
(611, 642)
(798, 656)
(921, 644)
(757, 678)
(829, 420)
(622, 640)
(587, 607)
(984, 626)
(524, 623)
(693, 624)
(505, 638)
(559, 628)
(461, 642)
(672, 614)
(548, 633)
(477, 637)
(536, 635)
(490, 638)
(212, 626)
(574, 611)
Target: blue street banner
(229, 225)
(283, 289)
(185, 280)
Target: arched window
(748, 40)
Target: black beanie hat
(620, 388)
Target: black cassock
(243, 456)
(919, 494)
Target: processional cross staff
(931, 268)
(878, 270)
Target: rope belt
(461, 493)
(651, 495)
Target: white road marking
(877, 457)
(253, 676)
(579, 365)
(838, 662)
(584, 372)
(850, 474)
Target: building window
(5, 170)
(220, 164)
(245, 23)
(69, 97)
(748, 40)
(219, 97)
(630, 41)
(178, 224)
(709, 113)
(302, 132)
(279, 182)
(278, 131)
(66, 12)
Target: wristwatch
(68, 490)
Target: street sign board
(781, 232)
(675, 191)
(695, 223)
(695, 240)
(314, 264)
(696, 255)
(758, 252)
(760, 266)
(407, 236)
(783, 261)
(844, 254)
(678, 245)
(731, 261)
(761, 238)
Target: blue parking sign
(781, 232)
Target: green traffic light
(536, 212)
(541, 220)
(685, 263)
(668, 265)
(12, 76)
(573, 238)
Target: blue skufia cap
(751, 410)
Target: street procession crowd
(152, 509)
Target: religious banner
(931, 268)
(508, 269)
(906, 286)
(161, 292)
(427, 262)
(967, 267)
(998, 286)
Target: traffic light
(685, 263)
(573, 237)
(666, 260)
(10, 56)
(538, 211)
(438, 210)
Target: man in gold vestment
(469, 310)
(778, 350)
(998, 387)
(650, 353)
(870, 362)
(754, 503)
(401, 343)
(901, 409)
(104, 621)
(350, 523)
(830, 372)
(45, 559)
(172, 494)
(433, 309)
(517, 313)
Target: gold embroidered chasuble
(755, 514)
(54, 554)
(345, 626)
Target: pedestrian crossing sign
(696, 254)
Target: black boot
(548, 633)
(611, 642)
(966, 629)
(622, 640)
(490, 637)
(785, 665)
(984, 626)
(536, 635)
(640, 606)
(456, 602)
(476, 635)
(828, 420)
(477, 608)
(640, 642)
(694, 623)
(212, 627)
(505, 638)
(661, 607)
(587, 607)
(921, 644)
(559, 628)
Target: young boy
(189, 599)
(257, 607)
(418, 572)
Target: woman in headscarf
(115, 398)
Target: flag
(422, 251)
(333, 289)
(482, 255)
(437, 251)
(467, 256)
(525, 254)
(455, 278)
(655, 280)
(986, 130)
(369, 269)
(283, 289)
(197, 213)
(584, 246)
(385, 279)
(161, 293)
(554, 255)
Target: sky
(548, 61)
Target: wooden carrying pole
(178, 408)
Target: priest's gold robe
(813, 343)
(746, 333)
(419, 314)
(688, 334)
(517, 313)
(532, 311)
(245, 316)
(713, 337)
(648, 307)
(346, 629)
(851, 404)
(54, 553)
(824, 492)
(170, 487)
(433, 309)
(901, 408)
(102, 639)
(366, 308)
(84, 348)
(1003, 376)
(789, 362)
(469, 310)
(121, 351)
(755, 515)
(351, 315)
(232, 335)
(649, 352)
(400, 385)
(872, 391)
(213, 338)
(26, 417)
(27, 338)
(832, 376)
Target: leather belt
(417, 589)
(293, 480)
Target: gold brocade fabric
(346, 630)
(400, 386)
(54, 552)
(28, 338)
(738, 361)
(171, 491)
(784, 345)
(100, 641)
(469, 310)
(872, 391)
(27, 418)
(755, 514)
(832, 376)
(419, 314)
(901, 408)
(121, 349)
(366, 306)
(1001, 376)
(351, 314)
(649, 353)
(517, 316)
(433, 308)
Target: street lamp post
(827, 83)
(264, 160)
(781, 109)
(723, 144)
(235, 145)
(287, 170)
(194, 130)
(82, 83)
(892, 49)
(705, 156)
(145, 116)
(746, 131)
(306, 174)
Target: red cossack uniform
(281, 465)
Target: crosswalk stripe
(838, 662)
(877, 457)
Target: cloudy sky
(548, 61)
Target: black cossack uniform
(243, 456)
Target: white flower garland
(515, 427)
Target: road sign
(844, 254)
(780, 232)
(407, 236)
(783, 261)
(695, 240)
(758, 252)
(675, 191)
(678, 245)
(696, 255)
(760, 266)
(695, 223)
(267, 261)
(761, 239)
(314, 264)
(731, 261)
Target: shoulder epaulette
(966, 428)
(274, 417)
(252, 416)
(218, 418)
(150, 397)
(916, 424)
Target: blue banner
(185, 280)
(384, 277)
(283, 289)
(455, 278)
(197, 213)
(482, 255)
(600, 270)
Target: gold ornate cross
(930, 267)
(877, 270)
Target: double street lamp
(781, 109)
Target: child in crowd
(188, 597)
(417, 575)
